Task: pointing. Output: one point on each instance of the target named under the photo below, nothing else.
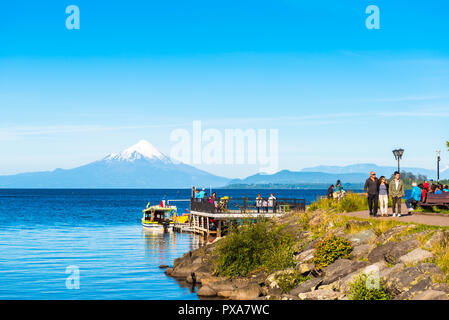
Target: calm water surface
(42, 232)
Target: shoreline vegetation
(302, 186)
(322, 254)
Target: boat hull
(156, 226)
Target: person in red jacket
(423, 192)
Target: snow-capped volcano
(139, 166)
(141, 150)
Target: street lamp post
(438, 164)
(398, 156)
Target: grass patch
(365, 288)
(288, 281)
(350, 203)
(432, 210)
(254, 247)
(441, 254)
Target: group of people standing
(336, 192)
(260, 203)
(201, 196)
(378, 190)
(265, 204)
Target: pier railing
(247, 205)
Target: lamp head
(398, 153)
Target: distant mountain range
(352, 176)
(143, 166)
(298, 177)
(380, 170)
(140, 166)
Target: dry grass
(441, 253)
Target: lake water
(46, 233)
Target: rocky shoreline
(402, 255)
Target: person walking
(372, 192)
(383, 196)
(397, 191)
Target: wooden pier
(211, 218)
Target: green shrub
(288, 281)
(349, 203)
(253, 247)
(359, 291)
(330, 249)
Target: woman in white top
(272, 202)
(383, 196)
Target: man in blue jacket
(415, 197)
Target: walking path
(431, 219)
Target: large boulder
(306, 286)
(394, 269)
(431, 295)
(363, 237)
(206, 281)
(272, 280)
(304, 256)
(357, 224)
(250, 292)
(223, 285)
(440, 286)
(206, 291)
(305, 268)
(416, 256)
(341, 268)
(168, 271)
(343, 285)
(391, 233)
(311, 245)
(391, 251)
(440, 237)
(186, 258)
(362, 251)
(406, 283)
(320, 295)
(188, 263)
(225, 294)
(258, 278)
(415, 235)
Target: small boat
(162, 217)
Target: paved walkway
(422, 218)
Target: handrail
(246, 205)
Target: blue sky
(337, 92)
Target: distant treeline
(347, 186)
(407, 177)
